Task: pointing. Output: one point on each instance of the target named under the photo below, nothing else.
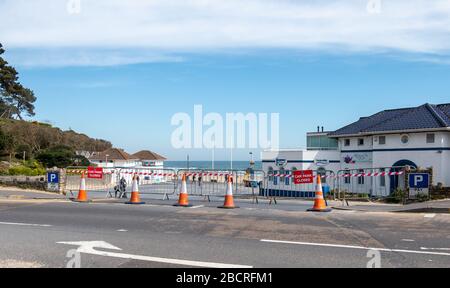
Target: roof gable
(112, 154)
(148, 155)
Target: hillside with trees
(35, 144)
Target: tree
(7, 144)
(15, 99)
(58, 156)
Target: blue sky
(127, 93)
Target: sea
(218, 165)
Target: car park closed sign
(95, 173)
(303, 177)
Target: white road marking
(197, 207)
(408, 240)
(24, 224)
(122, 230)
(356, 247)
(435, 249)
(429, 215)
(88, 247)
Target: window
(382, 140)
(347, 180)
(382, 178)
(287, 180)
(271, 174)
(347, 142)
(322, 172)
(431, 138)
(361, 179)
(360, 142)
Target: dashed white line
(356, 247)
(435, 249)
(122, 230)
(24, 224)
(197, 207)
(429, 215)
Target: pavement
(107, 233)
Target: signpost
(53, 181)
(95, 173)
(419, 184)
(303, 177)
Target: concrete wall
(35, 182)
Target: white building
(118, 158)
(114, 158)
(418, 137)
(149, 159)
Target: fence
(162, 182)
(282, 185)
(71, 181)
(209, 183)
(370, 182)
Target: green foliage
(398, 196)
(20, 149)
(29, 168)
(15, 99)
(7, 143)
(26, 171)
(58, 156)
(39, 137)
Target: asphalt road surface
(43, 233)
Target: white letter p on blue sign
(417, 180)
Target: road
(40, 233)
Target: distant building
(113, 158)
(118, 158)
(415, 137)
(149, 159)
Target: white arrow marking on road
(88, 247)
(356, 247)
(24, 224)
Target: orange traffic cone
(319, 204)
(229, 199)
(135, 198)
(184, 197)
(82, 194)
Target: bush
(398, 196)
(58, 156)
(26, 171)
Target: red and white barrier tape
(375, 174)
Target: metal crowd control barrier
(370, 182)
(208, 183)
(162, 182)
(205, 183)
(281, 185)
(71, 182)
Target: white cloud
(177, 26)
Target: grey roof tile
(426, 116)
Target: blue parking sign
(419, 180)
(53, 177)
